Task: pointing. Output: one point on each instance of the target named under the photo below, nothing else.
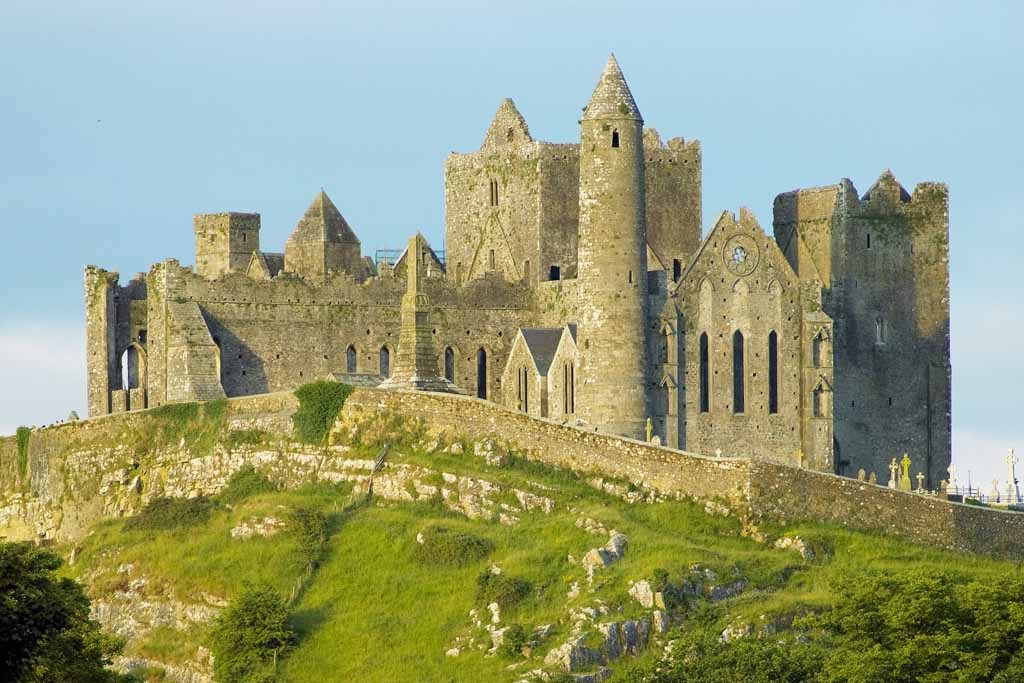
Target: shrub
(245, 483)
(24, 433)
(507, 591)
(47, 632)
(311, 527)
(171, 513)
(250, 635)
(319, 404)
(450, 548)
(515, 638)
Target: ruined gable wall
(719, 299)
(672, 175)
(474, 227)
(893, 395)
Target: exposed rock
(642, 592)
(660, 621)
(495, 613)
(591, 526)
(796, 544)
(736, 631)
(597, 558)
(263, 526)
(452, 652)
(573, 655)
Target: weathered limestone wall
(278, 334)
(883, 260)
(785, 494)
(739, 282)
(668, 471)
(672, 175)
(225, 242)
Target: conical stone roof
(323, 222)
(612, 98)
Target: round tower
(612, 262)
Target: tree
(47, 633)
(249, 636)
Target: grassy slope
(374, 613)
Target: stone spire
(612, 98)
(416, 362)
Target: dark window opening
(704, 374)
(890, 400)
(481, 374)
(737, 373)
(572, 389)
(773, 373)
(615, 138)
(677, 269)
(142, 337)
(490, 260)
(449, 364)
(385, 362)
(350, 359)
(554, 273)
(511, 134)
(869, 240)
(631, 277)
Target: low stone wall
(80, 472)
(663, 469)
(786, 494)
(765, 490)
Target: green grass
(379, 606)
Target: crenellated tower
(612, 261)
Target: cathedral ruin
(576, 286)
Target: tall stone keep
(416, 366)
(612, 261)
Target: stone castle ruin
(576, 287)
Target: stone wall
(883, 261)
(80, 472)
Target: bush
(319, 405)
(47, 633)
(507, 591)
(515, 638)
(450, 548)
(250, 635)
(311, 527)
(245, 483)
(171, 513)
(23, 435)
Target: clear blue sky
(120, 120)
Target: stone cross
(951, 486)
(905, 473)
(1012, 493)
(893, 476)
(872, 479)
(920, 482)
(861, 474)
(649, 427)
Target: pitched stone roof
(508, 126)
(323, 223)
(887, 186)
(542, 342)
(612, 98)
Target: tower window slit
(615, 138)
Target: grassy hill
(399, 587)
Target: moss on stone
(319, 404)
(23, 435)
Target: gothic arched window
(773, 373)
(738, 373)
